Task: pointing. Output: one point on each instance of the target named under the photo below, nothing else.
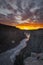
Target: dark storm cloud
(32, 9)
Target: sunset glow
(24, 26)
(30, 26)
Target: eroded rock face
(10, 37)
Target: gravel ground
(33, 59)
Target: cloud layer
(26, 9)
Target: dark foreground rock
(10, 38)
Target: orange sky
(30, 26)
(24, 26)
